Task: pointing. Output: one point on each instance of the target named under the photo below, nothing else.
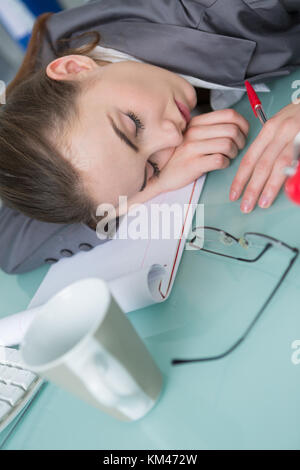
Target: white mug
(82, 341)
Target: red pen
(255, 103)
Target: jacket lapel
(166, 36)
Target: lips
(184, 111)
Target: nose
(171, 130)
(168, 137)
(168, 133)
(179, 120)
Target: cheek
(128, 182)
(108, 185)
(119, 175)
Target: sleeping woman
(101, 107)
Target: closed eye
(145, 180)
(155, 167)
(138, 123)
(156, 173)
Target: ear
(70, 67)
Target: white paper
(139, 272)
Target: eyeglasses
(249, 248)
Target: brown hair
(35, 177)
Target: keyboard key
(21, 377)
(18, 385)
(5, 373)
(4, 409)
(10, 393)
(10, 356)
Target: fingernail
(233, 195)
(264, 201)
(246, 206)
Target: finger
(262, 169)
(274, 136)
(250, 159)
(260, 175)
(277, 178)
(272, 163)
(203, 164)
(256, 183)
(222, 145)
(231, 131)
(222, 116)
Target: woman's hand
(262, 167)
(210, 141)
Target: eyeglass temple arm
(249, 328)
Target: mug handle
(109, 381)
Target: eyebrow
(123, 136)
(145, 180)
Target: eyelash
(155, 167)
(138, 123)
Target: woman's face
(128, 117)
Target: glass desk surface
(248, 400)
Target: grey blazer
(220, 41)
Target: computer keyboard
(17, 385)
